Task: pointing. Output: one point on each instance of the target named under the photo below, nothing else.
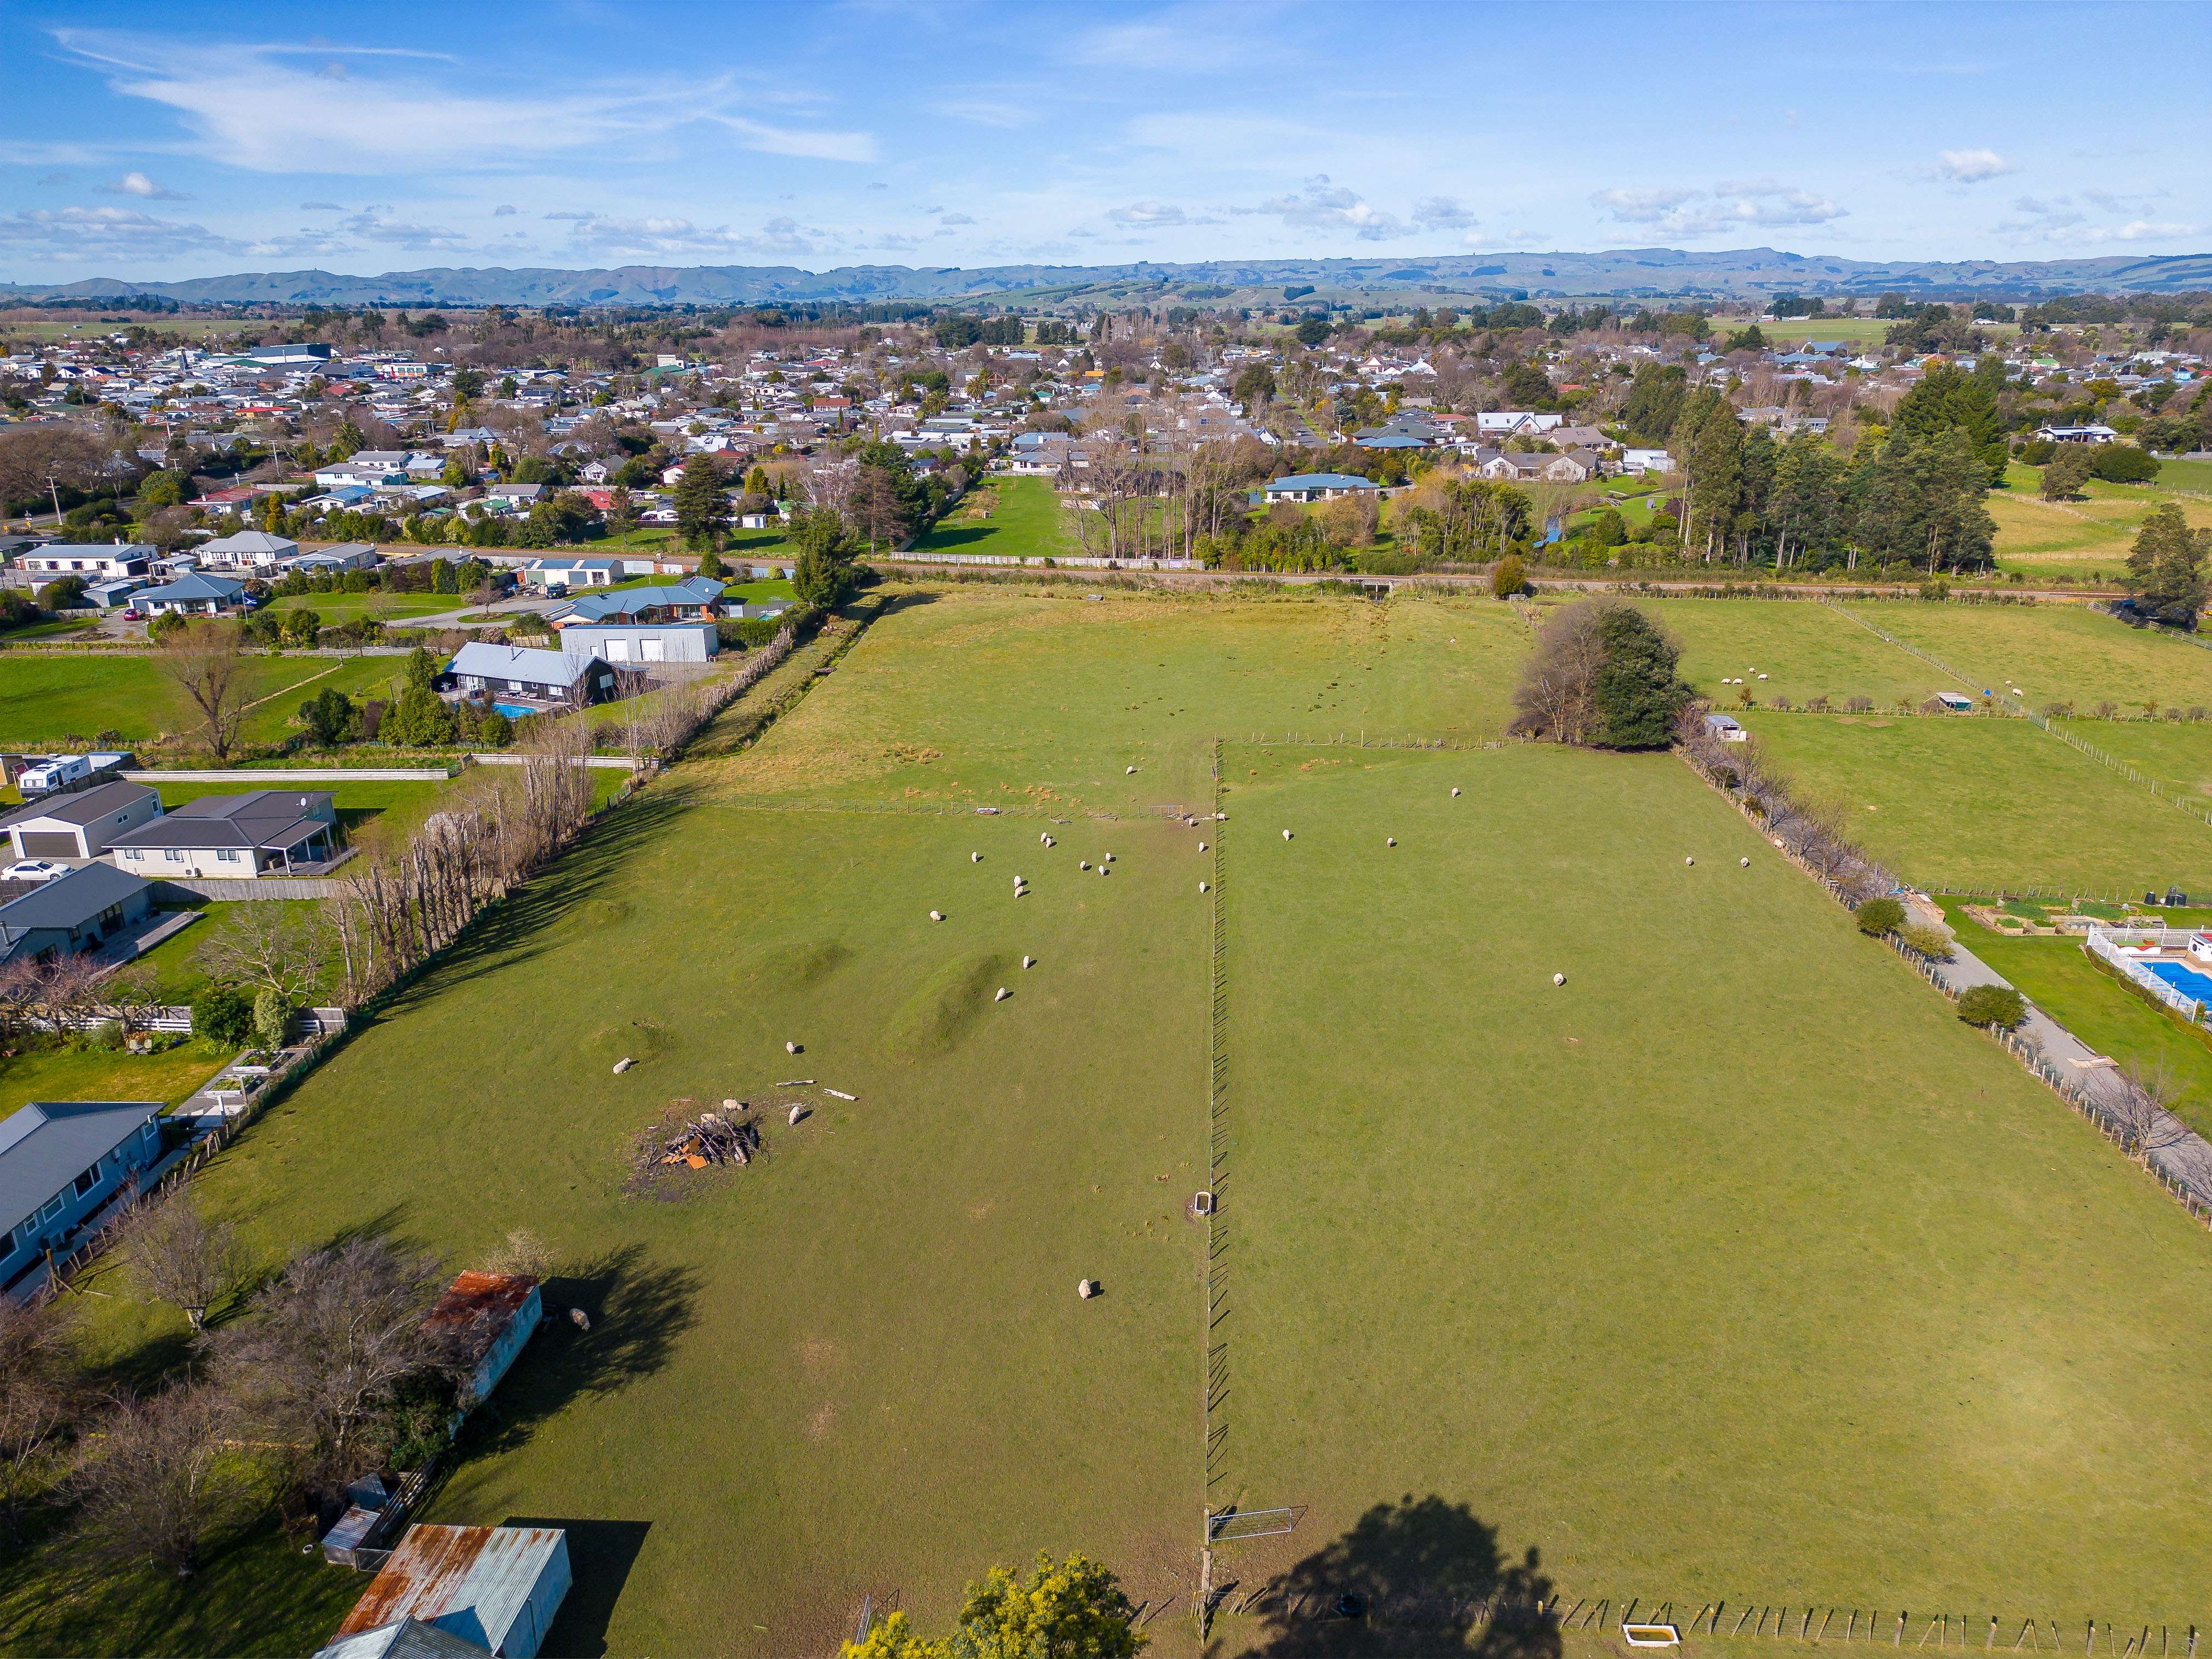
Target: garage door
(46, 844)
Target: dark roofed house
(75, 828)
(60, 1163)
(265, 832)
(72, 914)
(519, 679)
(194, 593)
(1317, 486)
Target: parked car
(33, 870)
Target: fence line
(2197, 1205)
(1214, 1378)
(1809, 1624)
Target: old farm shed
(488, 1317)
(494, 1588)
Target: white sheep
(1083, 864)
(796, 1113)
(1132, 772)
(791, 1048)
(974, 857)
(1003, 995)
(1559, 979)
(1109, 859)
(936, 915)
(1286, 834)
(1745, 863)
(1086, 1288)
(1202, 887)
(1028, 962)
(1202, 847)
(1044, 838)
(1689, 860)
(1389, 841)
(1454, 792)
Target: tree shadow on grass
(518, 928)
(638, 1311)
(1421, 1575)
(600, 1556)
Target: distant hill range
(1651, 274)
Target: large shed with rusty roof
(496, 1587)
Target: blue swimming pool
(2182, 978)
(513, 711)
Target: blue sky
(361, 139)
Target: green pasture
(983, 696)
(60, 1072)
(1806, 648)
(2053, 653)
(1736, 1267)
(51, 699)
(1027, 522)
(2090, 1000)
(2179, 753)
(2095, 532)
(1982, 804)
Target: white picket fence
(2106, 943)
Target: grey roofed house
(60, 1161)
(240, 835)
(550, 676)
(191, 591)
(72, 913)
(81, 825)
(255, 547)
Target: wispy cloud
(1731, 207)
(120, 235)
(1331, 208)
(1441, 213)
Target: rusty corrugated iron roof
(437, 1571)
(476, 1307)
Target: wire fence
(1213, 1345)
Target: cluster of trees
(955, 331)
(1465, 520)
(1603, 676)
(289, 1390)
(1069, 1609)
(2166, 580)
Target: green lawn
(1736, 1265)
(1987, 803)
(369, 801)
(2089, 1000)
(1005, 516)
(2177, 752)
(60, 1073)
(335, 608)
(55, 699)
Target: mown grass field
(2179, 753)
(1806, 648)
(2091, 535)
(62, 1072)
(1738, 1265)
(1021, 518)
(48, 700)
(1774, 1281)
(1983, 804)
(336, 607)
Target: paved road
(2187, 1160)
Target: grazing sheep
(1028, 962)
(796, 1113)
(1083, 864)
(1003, 995)
(1202, 887)
(1286, 834)
(936, 915)
(1132, 772)
(1086, 1288)
(1559, 979)
(791, 1048)
(623, 1065)
(1745, 862)
(974, 857)
(1389, 841)
(1109, 859)
(1044, 838)
(1454, 792)
(1689, 860)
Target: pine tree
(2166, 570)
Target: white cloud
(1326, 207)
(663, 237)
(138, 184)
(1441, 213)
(505, 210)
(1730, 208)
(1002, 114)
(1968, 167)
(952, 219)
(806, 142)
(119, 234)
(320, 206)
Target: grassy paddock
(2055, 653)
(974, 695)
(1985, 804)
(1027, 522)
(1738, 1265)
(1807, 649)
(50, 699)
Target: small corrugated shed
(487, 1317)
(403, 1638)
(497, 1587)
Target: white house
(1511, 423)
(264, 832)
(195, 593)
(58, 559)
(1646, 460)
(248, 550)
(2093, 433)
(625, 643)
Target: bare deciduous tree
(207, 662)
(181, 1256)
(521, 1252)
(158, 1477)
(2142, 1109)
(41, 1396)
(37, 460)
(271, 947)
(328, 1344)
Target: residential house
(72, 914)
(1317, 487)
(1646, 460)
(444, 1591)
(572, 573)
(1582, 437)
(61, 1162)
(519, 494)
(1535, 466)
(193, 594)
(2093, 433)
(625, 643)
(1400, 431)
(75, 829)
(1515, 423)
(248, 550)
(508, 673)
(695, 598)
(335, 560)
(51, 561)
(264, 832)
